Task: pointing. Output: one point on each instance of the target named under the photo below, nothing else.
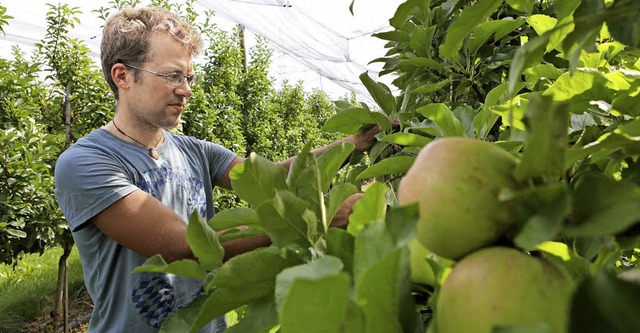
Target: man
(128, 188)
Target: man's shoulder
(182, 138)
(96, 137)
(88, 147)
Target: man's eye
(176, 77)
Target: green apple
(456, 182)
(501, 286)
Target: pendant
(153, 153)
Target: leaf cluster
(553, 82)
(351, 273)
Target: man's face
(151, 99)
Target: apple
(456, 182)
(501, 286)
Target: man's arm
(362, 142)
(143, 224)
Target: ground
(79, 313)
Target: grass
(28, 290)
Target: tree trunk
(60, 312)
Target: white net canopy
(318, 42)
(321, 35)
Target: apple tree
(552, 83)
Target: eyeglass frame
(192, 79)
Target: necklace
(152, 150)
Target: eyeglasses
(173, 79)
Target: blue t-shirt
(100, 169)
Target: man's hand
(341, 219)
(364, 140)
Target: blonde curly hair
(125, 37)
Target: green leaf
(406, 139)
(627, 101)
(184, 318)
(542, 23)
(16, 233)
(305, 180)
(603, 206)
(243, 279)
(397, 36)
(407, 10)
(371, 245)
(525, 6)
(486, 118)
(485, 30)
(234, 217)
(186, 267)
(525, 57)
(284, 220)
(326, 266)
(388, 166)
(383, 292)
(624, 26)
(259, 317)
(301, 162)
(445, 119)
(331, 161)
(257, 179)
(253, 269)
(337, 196)
(564, 9)
(350, 121)
(421, 62)
(605, 303)
(602, 148)
(467, 21)
(341, 244)
(401, 223)
(550, 29)
(589, 18)
(380, 93)
(580, 88)
(465, 114)
(546, 139)
(371, 207)
(549, 205)
(430, 87)
(330, 293)
(240, 233)
(204, 242)
(547, 71)
(421, 39)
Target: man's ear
(121, 77)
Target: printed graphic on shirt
(154, 300)
(187, 191)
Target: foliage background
(236, 108)
(553, 82)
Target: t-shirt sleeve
(87, 181)
(219, 160)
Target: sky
(324, 35)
